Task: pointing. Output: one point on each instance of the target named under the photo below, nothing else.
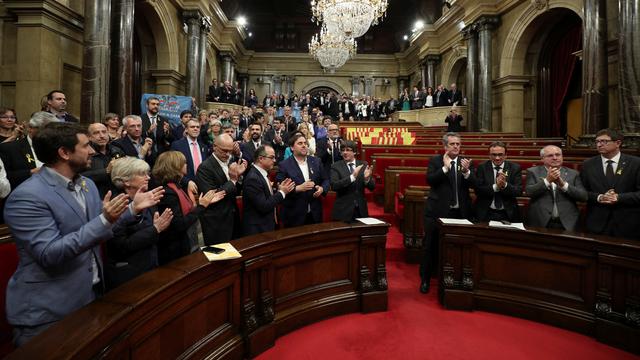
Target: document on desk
(450, 221)
(370, 221)
(498, 224)
(229, 252)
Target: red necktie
(196, 156)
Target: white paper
(498, 224)
(450, 221)
(370, 221)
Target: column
(432, 61)
(277, 83)
(193, 20)
(227, 68)
(355, 85)
(423, 75)
(291, 81)
(485, 26)
(122, 57)
(203, 83)
(594, 67)
(95, 61)
(244, 81)
(368, 86)
(470, 35)
(629, 65)
(233, 74)
(402, 83)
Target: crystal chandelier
(331, 50)
(349, 17)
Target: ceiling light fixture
(352, 18)
(332, 50)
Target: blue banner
(170, 106)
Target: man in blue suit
(58, 222)
(303, 205)
(195, 151)
(258, 197)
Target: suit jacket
(343, 108)
(349, 195)
(68, 118)
(541, 203)
(279, 147)
(258, 204)
(328, 159)
(442, 99)
(291, 122)
(453, 124)
(484, 181)
(161, 139)
(183, 146)
(455, 97)
(18, 160)
(296, 205)
(248, 149)
(601, 217)
(219, 220)
(56, 242)
(124, 147)
(417, 101)
(442, 185)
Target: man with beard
(58, 222)
(277, 138)
(249, 148)
(156, 127)
(101, 158)
(303, 205)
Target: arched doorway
(322, 89)
(458, 75)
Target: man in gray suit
(554, 190)
(58, 222)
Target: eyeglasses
(272, 157)
(495, 155)
(603, 141)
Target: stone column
(368, 86)
(432, 61)
(470, 35)
(594, 67)
(193, 20)
(203, 83)
(485, 26)
(402, 83)
(122, 57)
(629, 65)
(244, 81)
(423, 75)
(233, 74)
(291, 81)
(277, 83)
(227, 68)
(95, 61)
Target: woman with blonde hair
(114, 128)
(180, 238)
(311, 141)
(132, 251)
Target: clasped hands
(367, 171)
(610, 197)
(236, 169)
(553, 176)
(310, 185)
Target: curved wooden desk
(581, 282)
(234, 309)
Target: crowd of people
(92, 207)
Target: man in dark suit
(221, 221)
(259, 200)
(328, 149)
(450, 177)
(57, 105)
(134, 144)
(214, 91)
(498, 184)
(249, 148)
(554, 190)
(612, 181)
(331, 106)
(417, 98)
(346, 107)
(290, 122)
(349, 178)
(302, 206)
(18, 157)
(227, 93)
(194, 151)
(454, 96)
(277, 138)
(156, 127)
(441, 97)
(100, 168)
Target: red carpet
(417, 327)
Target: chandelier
(331, 50)
(349, 17)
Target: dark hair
(614, 134)
(259, 116)
(50, 96)
(349, 144)
(256, 123)
(54, 136)
(498, 143)
(185, 112)
(261, 151)
(152, 98)
(296, 135)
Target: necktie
(609, 172)
(351, 167)
(196, 155)
(454, 184)
(555, 213)
(497, 197)
(334, 151)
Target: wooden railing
(235, 309)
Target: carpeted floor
(417, 327)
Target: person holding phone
(349, 179)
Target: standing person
(114, 127)
(302, 206)
(405, 99)
(259, 200)
(9, 131)
(155, 126)
(58, 222)
(455, 96)
(349, 178)
(133, 143)
(612, 181)
(101, 158)
(190, 146)
(417, 99)
(181, 237)
(450, 177)
(249, 148)
(57, 105)
(303, 127)
(328, 149)
(252, 99)
(277, 138)
(453, 121)
(221, 222)
(498, 184)
(554, 190)
(429, 98)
